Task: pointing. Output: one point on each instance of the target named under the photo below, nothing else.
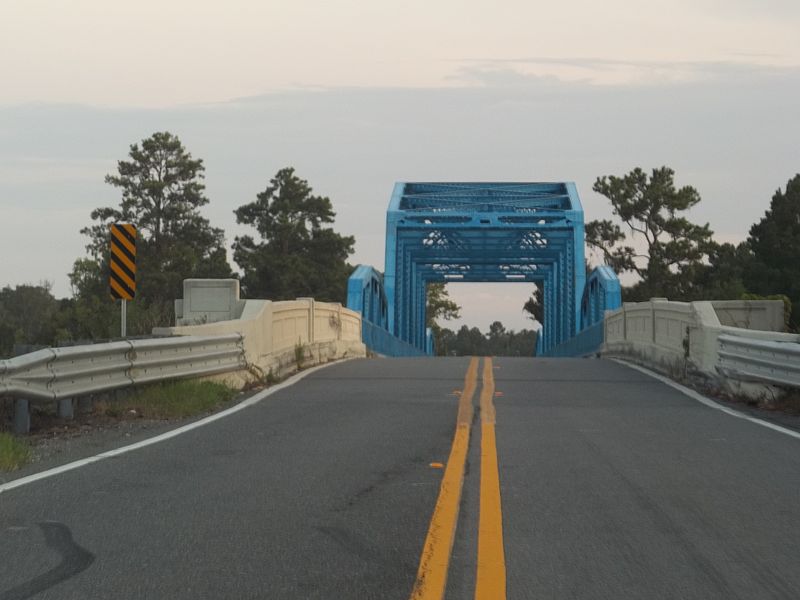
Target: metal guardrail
(61, 373)
(749, 359)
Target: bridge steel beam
(602, 292)
(487, 232)
(365, 293)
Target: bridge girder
(484, 232)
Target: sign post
(123, 318)
(122, 264)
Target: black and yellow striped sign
(122, 278)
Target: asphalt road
(612, 485)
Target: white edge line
(164, 436)
(707, 401)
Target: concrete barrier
(279, 337)
(683, 340)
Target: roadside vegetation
(14, 452)
(170, 400)
(653, 239)
(166, 401)
(291, 251)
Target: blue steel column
(405, 298)
(547, 328)
(414, 301)
(419, 326)
(560, 307)
(374, 305)
(570, 293)
(575, 216)
(602, 292)
(552, 300)
(393, 216)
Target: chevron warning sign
(122, 278)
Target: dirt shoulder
(55, 442)
(784, 412)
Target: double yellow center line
(491, 580)
(434, 563)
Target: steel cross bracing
(602, 292)
(366, 295)
(484, 232)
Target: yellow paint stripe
(120, 256)
(120, 291)
(487, 393)
(123, 241)
(435, 560)
(130, 229)
(123, 276)
(490, 583)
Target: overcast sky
(358, 95)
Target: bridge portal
(479, 232)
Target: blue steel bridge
(481, 232)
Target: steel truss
(484, 232)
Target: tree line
(498, 341)
(671, 257)
(469, 341)
(292, 252)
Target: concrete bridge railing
(736, 345)
(276, 335)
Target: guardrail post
(85, 404)
(65, 410)
(22, 416)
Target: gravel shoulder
(784, 412)
(57, 442)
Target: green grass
(172, 400)
(14, 453)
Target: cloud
(31, 171)
(547, 71)
(732, 136)
(766, 9)
(498, 74)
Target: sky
(358, 95)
